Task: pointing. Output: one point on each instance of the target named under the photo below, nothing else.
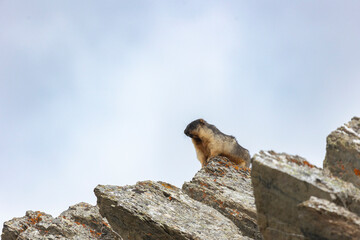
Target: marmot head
(192, 129)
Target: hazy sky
(99, 92)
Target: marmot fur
(210, 142)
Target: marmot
(210, 142)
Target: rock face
(321, 219)
(283, 181)
(343, 152)
(81, 221)
(283, 197)
(157, 210)
(227, 188)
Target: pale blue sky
(99, 92)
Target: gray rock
(157, 210)
(227, 188)
(283, 181)
(321, 219)
(343, 152)
(81, 221)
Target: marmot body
(210, 142)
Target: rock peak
(281, 197)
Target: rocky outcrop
(157, 210)
(343, 152)
(281, 182)
(227, 188)
(282, 197)
(321, 219)
(81, 221)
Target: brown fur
(210, 142)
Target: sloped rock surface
(283, 181)
(157, 210)
(227, 188)
(81, 221)
(321, 219)
(343, 152)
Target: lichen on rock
(282, 181)
(283, 197)
(343, 152)
(81, 221)
(227, 188)
(157, 210)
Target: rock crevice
(282, 197)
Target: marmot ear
(202, 121)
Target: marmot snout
(210, 142)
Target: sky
(100, 92)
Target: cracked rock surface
(227, 188)
(283, 197)
(282, 181)
(81, 221)
(321, 219)
(343, 152)
(157, 210)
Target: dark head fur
(192, 127)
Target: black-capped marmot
(210, 142)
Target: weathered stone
(157, 210)
(14, 228)
(283, 181)
(343, 152)
(227, 188)
(321, 219)
(81, 221)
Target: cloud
(95, 93)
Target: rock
(227, 188)
(283, 181)
(343, 152)
(81, 221)
(321, 219)
(13, 228)
(157, 210)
